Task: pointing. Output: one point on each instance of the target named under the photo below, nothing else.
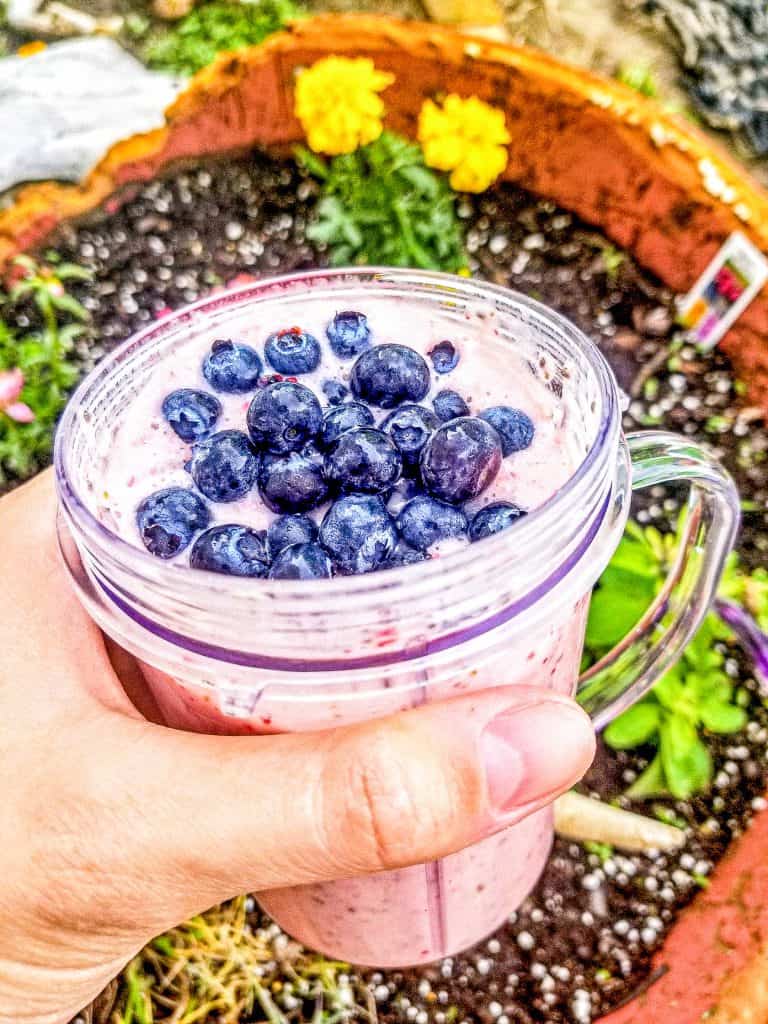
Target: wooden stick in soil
(586, 820)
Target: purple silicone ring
(443, 643)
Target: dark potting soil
(582, 943)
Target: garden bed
(584, 942)
(167, 217)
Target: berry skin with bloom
(231, 549)
(338, 104)
(466, 137)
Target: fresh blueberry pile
(384, 495)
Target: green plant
(219, 967)
(382, 205)
(43, 358)
(638, 77)
(215, 26)
(613, 260)
(694, 698)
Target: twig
(586, 820)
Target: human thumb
(210, 816)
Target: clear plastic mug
(229, 655)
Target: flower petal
(11, 383)
(20, 412)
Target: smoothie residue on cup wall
(141, 454)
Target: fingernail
(535, 751)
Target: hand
(115, 828)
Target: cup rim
(526, 530)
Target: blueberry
(302, 562)
(232, 367)
(404, 555)
(407, 487)
(389, 375)
(343, 418)
(363, 461)
(513, 426)
(233, 550)
(169, 519)
(335, 391)
(460, 460)
(444, 356)
(292, 482)
(311, 450)
(348, 334)
(283, 417)
(292, 351)
(449, 405)
(288, 530)
(493, 519)
(424, 521)
(224, 466)
(358, 533)
(191, 414)
(410, 427)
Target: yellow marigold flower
(338, 104)
(467, 137)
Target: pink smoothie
(428, 911)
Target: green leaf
(723, 718)
(686, 761)
(69, 304)
(382, 205)
(312, 162)
(634, 727)
(651, 783)
(670, 690)
(71, 271)
(615, 609)
(635, 557)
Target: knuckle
(395, 810)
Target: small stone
(581, 1006)
(233, 231)
(535, 241)
(626, 340)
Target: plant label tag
(733, 278)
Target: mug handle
(629, 671)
